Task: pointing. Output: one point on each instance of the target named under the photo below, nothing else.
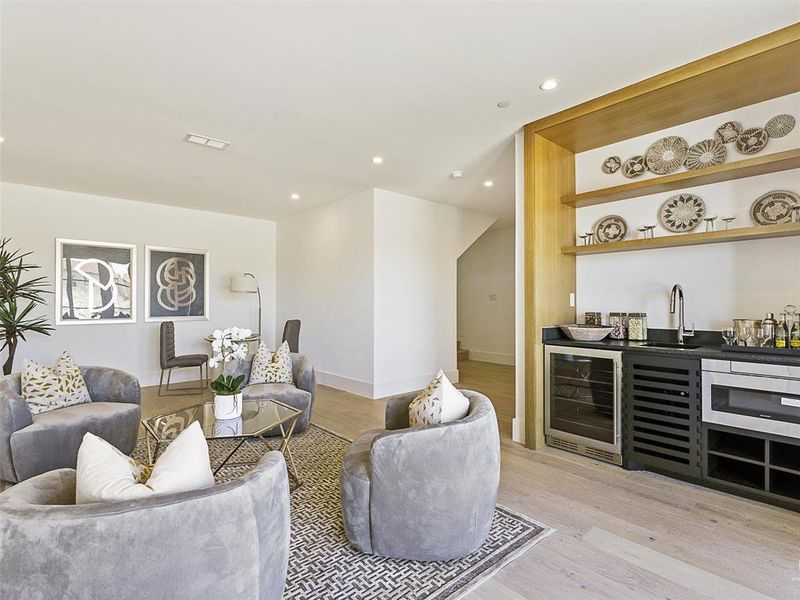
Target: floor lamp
(248, 284)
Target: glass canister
(637, 327)
(592, 318)
(619, 324)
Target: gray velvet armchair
(34, 444)
(424, 493)
(228, 541)
(299, 395)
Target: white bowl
(586, 333)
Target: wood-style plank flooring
(620, 534)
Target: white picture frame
(89, 267)
(166, 300)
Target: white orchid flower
(213, 362)
(217, 334)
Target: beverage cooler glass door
(582, 396)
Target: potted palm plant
(18, 300)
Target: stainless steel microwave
(753, 396)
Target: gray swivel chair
(169, 360)
(423, 493)
(300, 394)
(33, 444)
(228, 541)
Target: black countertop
(709, 341)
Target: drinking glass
(759, 336)
(729, 335)
(710, 223)
(728, 221)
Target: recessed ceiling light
(295, 196)
(377, 160)
(456, 174)
(488, 183)
(549, 84)
(2, 139)
(503, 104)
(204, 140)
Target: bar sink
(671, 345)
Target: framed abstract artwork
(176, 284)
(95, 282)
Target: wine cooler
(582, 401)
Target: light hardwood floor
(619, 534)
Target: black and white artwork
(176, 285)
(95, 282)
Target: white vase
(228, 407)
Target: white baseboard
(518, 430)
(499, 358)
(346, 384)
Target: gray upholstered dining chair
(228, 541)
(291, 334)
(169, 360)
(33, 444)
(300, 394)
(423, 493)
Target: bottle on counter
(770, 325)
(794, 336)
(637, 327)
(781, 335)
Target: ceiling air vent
(204, 140)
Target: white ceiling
(96, 97)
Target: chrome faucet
(677, 293)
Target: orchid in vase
(228, 345)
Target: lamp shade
(245, 284)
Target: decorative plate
(634, 166)
(612, 164)
(610, 229)
(666, 154)
(774, 207)
(779, 126)
(682, 213)
(706, 153)
(752, 140)
(728, 132)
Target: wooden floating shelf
(689, 239)
(759, 165)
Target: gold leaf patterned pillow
(48, 389)
(440, 402)
(271, 367)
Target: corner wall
(34, 217)
(325, 279)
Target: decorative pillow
(271, 367)
(440, 402)
(104, 473)
(48, 389)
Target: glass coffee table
(259, 418)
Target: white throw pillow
(104, 473)
(440, 402)
(271, 367)
(48, 389)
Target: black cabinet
(661, 414)
(758, 465)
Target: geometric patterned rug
(322, 565)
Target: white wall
(372, 277)
(325, 279)
(34, 217)
(417, 244)
(486, 297)
(721, 281)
